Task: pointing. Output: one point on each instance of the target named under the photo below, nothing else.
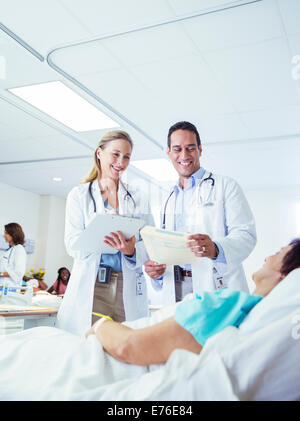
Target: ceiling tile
(273, 122)
(222, 128)
(184, 85)
(256, 77)
(60, 145)
(32, 70)
(151, 45)
(9, 133)
(235, 27)
(101, 17)
(26, 123)
(193, 6)
(85, 59)
(47, 24)
(256, 164)
(290, 11)
(40, 148)
(294, 43)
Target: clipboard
(91, 239)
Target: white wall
(22, 207)
(42, 219)
(51, 253)
(277, 215)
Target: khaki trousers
(108, 298)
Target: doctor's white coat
(222, 212)
(13, 262)
(75, 312)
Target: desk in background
(15, 320)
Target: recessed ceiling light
(65, 105)
(159, 169)
(57, 179)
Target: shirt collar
(197, 175)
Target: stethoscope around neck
(126, 197)
(209, 178)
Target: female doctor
(13, 261)
(124, 296)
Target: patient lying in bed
(195, 320)
(233, 364)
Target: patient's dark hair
(291, 260)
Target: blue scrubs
(211, 312)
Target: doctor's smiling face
(114, 158)
(184, 152)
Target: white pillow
(264, 365)
(283, 300)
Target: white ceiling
(148, 65)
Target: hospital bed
(258, 361)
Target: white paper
(168, 247)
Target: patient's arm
(150, 345)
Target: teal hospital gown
(210, 312)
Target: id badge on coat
(139, 284)
(104, 273)
(220, 283)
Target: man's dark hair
(291, 260)
(16, 233)
(183, 125)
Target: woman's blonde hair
(108, 137)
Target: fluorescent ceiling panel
(159, 169)
(65, 105)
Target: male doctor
(215, 211)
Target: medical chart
(168, 247)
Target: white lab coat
(75, 312)
(13, 261)
(224, 215)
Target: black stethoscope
(127, 194)
(209, 178)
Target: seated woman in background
(13, 261)
(195, 320)
(60, 285)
